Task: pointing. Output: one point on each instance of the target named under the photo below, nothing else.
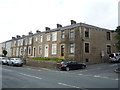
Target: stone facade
(78, 41)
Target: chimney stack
(47, 28)
(59, 25)
(18, 36)
(30, 33)
(37, 31)
(23, 35)
(73, 22)
(13, 38)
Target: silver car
(15, 62)
(3, 60)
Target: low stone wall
(41, 63)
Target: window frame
(62, 34)
(87, 48)
(54, 49)
(71, 33)
(54, 36)
(72, 48)
(108, 51)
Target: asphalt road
(94, 76)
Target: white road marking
(39, 70)
(116, 79)
(80, 74)
(68, 85)
(30, 76)
(33, 69)
(96, 76)
(7, 70)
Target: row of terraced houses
(78, 41)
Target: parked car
(70, 65)
(15, 62)
(3, 60)
(114, 57)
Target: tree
(4, 53)
(118, 38)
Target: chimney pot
(59, 25)
(37, 31)
(73, 22)
(30, 33)
(18, 36)
(47, 28)
(13, 38)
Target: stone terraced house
(78, 41)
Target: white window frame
(40, 52)
(62, 34)
(54, 49)
(21, 42)
(21, 51)
(72, 48)
(41, 38)
(70, 33)
(36, 38)
(48, 37)
(30, 40)
(54, 36)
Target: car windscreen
(111, 55)
(17, 59)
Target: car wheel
(83, 67)
(21, 65)
(67, 69)
(12, 64)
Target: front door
(62, 50)
(46, 50)
(34, 50)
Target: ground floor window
(54, 48)
(108, 49)
(72, 48)
(40, 50)
(87, 48)
(29, 50)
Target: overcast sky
(18, 17)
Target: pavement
(94, 76)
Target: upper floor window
(21, 42)
(18, 43)
(86, 32)
(21, 50)
(72, 33)
(41, 38)
(72, 48)
(54, 36)
(36, 39)
(87, 46)
(48, 37)
(26, 41)
(54, 48)
(14, 44)
(108, 49)
(62, 34)
(30, 40)
(108, 35)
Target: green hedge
(42, 58)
